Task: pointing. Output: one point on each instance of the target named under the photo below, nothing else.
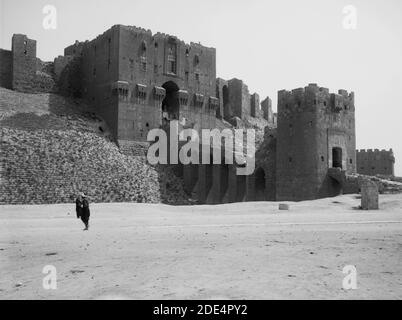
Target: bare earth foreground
(236, 251)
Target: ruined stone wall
(266, 108)
(60, 63)
(255, 108)
(375, 162)
(236, 102)
(311, 122)
(75, 49)
(239, 99)
(69, 76)
(222, 94)
(5, 68)
(24, 63)
(21, 70)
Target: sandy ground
(236, 251)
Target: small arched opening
(259, 184)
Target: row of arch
(218, 183)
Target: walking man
(85, 212)
(78, 206)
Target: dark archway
(170, 105)
(209, 175)
(241, 187)
(337, 157)
(224, 180)
(259, 183)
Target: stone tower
(315, 143)
(24, 62)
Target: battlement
(373, 162)
(161, 35)
(137, 29)
(74, 49)
(23, 46)
(371, 152)
(313, 88)
(309, 97)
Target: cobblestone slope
(53, 147)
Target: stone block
(370, 195)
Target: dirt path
(237, 251)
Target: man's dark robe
(78, 207)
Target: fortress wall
(222, 95)
(24, 64)
(99, 63)
(239, 99)
(373, 162)
(265, 160)
(296, 150)
(60, 63)
(311, 122)
(336, 130)
(266, 109)
(255, 108)
(22, 71)
(144, 65)
(5, 68)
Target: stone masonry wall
(5, 68)
(311, 122)
(375, 162)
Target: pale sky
(271, 45)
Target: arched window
(260, 184)
(143, 57)
(196, 60)
(172, 63)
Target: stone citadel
(138, 81)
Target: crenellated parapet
(375, 162)
(316, 132)
(312, 98)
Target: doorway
(259, 184)
(337, 157)
(170, 105)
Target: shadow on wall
(70, 79)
